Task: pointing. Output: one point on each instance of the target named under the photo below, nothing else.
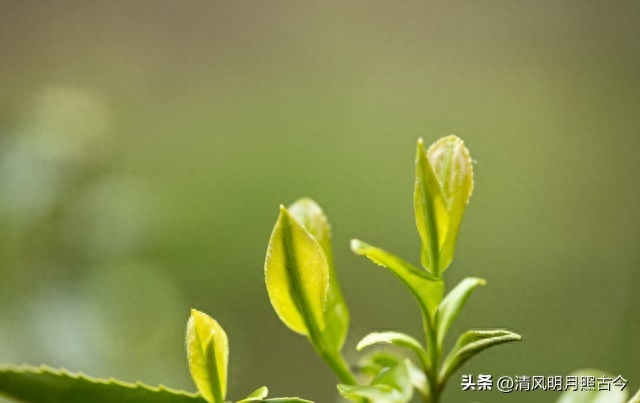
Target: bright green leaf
(396, 338)
(309, 214)
(297, 276)
(453, 303)
(47, 385)
(605, 396)
(432, 217)
(444, 183)
(427, 290)
(208, 354)
(471, 343)
(453, 167)
(287, 400)
(256, 396)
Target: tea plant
(303, 288)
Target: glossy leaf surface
(470, 344)
(453, 303)
(427, 290)
(605, 396)
(47, 385)
(297, 275)
(336, 315)
(208, 355)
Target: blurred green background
(145, 147)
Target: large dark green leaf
(47, 385)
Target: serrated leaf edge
(45, 369)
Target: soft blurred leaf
(453, 167)
(287, 400)
(432, 217)
(393, 385)
(309, 214)
(47, 385)
(471, 343)
(208, 354)
(427, 290)
(635, 398)
(297, 275)
(256, 396)
(418, 379)
(396, 338)
(605, 396)
(453, 303)
(372, 364)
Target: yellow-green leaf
(453, 167)
(208, 355)
(432, 217)
(471, 343)
(427, 290)
(297, 276)
(309, 214)
(453, 304)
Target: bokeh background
(145, 147)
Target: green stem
(339, 365)
(434, 355)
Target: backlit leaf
(208, 355)
(297, 276)
(309, 214)
(432, 217)
(453, 167)
(444, 183)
